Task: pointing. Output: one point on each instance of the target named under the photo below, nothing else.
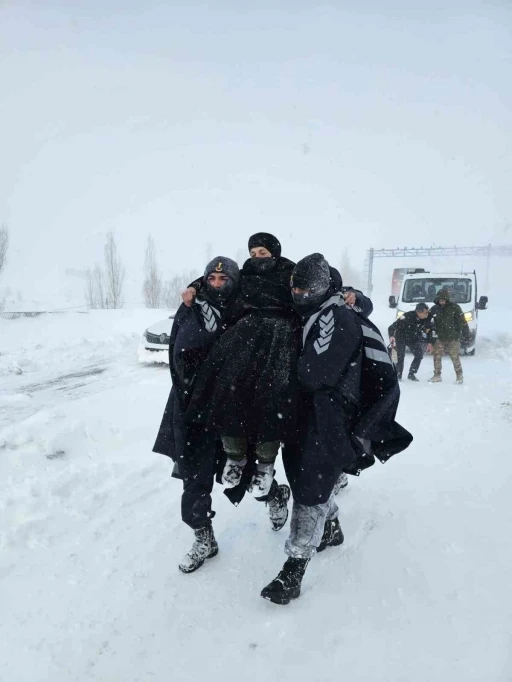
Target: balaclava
(312, 274)
(272, 244)
(227, 267)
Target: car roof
(440, 275)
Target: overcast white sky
(379, 124)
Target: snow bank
(30, 345)
(90, 536)
(149, 357)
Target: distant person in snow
(412, 330)
(196, 451)
(448, 327)
(348, 399)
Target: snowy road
(90, 533)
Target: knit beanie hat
(225, 265)
(266, 240)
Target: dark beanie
(312, 273)
(225, 265)
(336, 279)
(267, 240)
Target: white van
(424, 287)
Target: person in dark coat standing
(412, 330)
(246, 390)
(347, 407)
(448, 326)
(196, 450)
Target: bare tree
(89, 289)
(4, 246)
(114, 273)
(100, 300)
(95, 288)
(152, 287)
(171, 294)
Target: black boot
(332, 537)
(412, 377)
(204, 547)
(287, 584)
(278, 507)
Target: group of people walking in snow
(441, 329)
(276, 357)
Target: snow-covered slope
(90, 531)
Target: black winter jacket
(247, 386)
(409, 329)
(348, 402)
(193, 332)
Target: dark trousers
(417, 350)
(197, 466)
(202, 458)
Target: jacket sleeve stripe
(368, 332)
(378, 355)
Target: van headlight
(468, 317)
(399, 314)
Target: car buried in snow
(157, 336)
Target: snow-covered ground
(90, 531)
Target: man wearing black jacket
(413, 330)
(349, 397)
(197, 450)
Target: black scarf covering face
(266, 288)
(223, 294)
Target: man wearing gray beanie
(194, 450)
(346, 415)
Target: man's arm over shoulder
(364, 303)
(330, 347)
(357, 300)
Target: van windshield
(416, 290)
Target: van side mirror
(392, 302)
(482, 303)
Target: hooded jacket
(448, 322)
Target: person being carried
(246, 390)
(412, 330)
(347, 406)
(448, 327)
